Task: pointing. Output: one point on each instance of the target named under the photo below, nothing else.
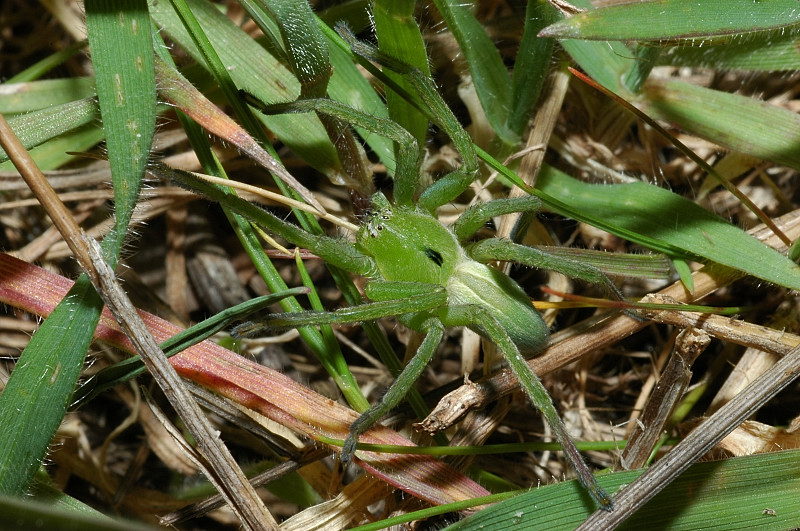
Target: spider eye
(435, 256)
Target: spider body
(410, 245)
(422, 271)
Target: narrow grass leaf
(399, 36)
(37, 127)
(710, 495)
(35, 398)
(664, 222)
(30, 514)
(735, 122)
(675, 19)
(486, 67)
(40, 68)
(605, 62)
(55, 153)
(46, 491)
(531, 67)
(34, 95)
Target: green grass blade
(605, 62)
(29, 514)
(531, 67)
(762, 51)
(711, 495)
(40, 68)
(40, 126)
(46, 491)
(489, 74)
(736, 122)
(55, 153)
(35, 398)
(122, 56)
(675, 19)
(399, 36)
(33, 95)
(347, 84)
(664, 222)
(646, 58)
(253, 69)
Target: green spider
(427, 274)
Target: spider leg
(434, 331)
(408, 154)
(420, 302)
(332, 250)
(412, 299)
(454, 183)
(476, 216)
(497, 249)
(487, 325)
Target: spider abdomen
(477, 284)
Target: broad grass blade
(605, 62)
(675, 19)
(735, 122)
(723, 489)
(766, 51)
(665, 222)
